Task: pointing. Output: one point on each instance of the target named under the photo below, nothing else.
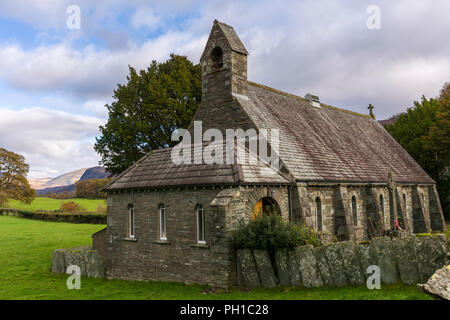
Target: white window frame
(162, 222)
(131, 220)
(201, 211)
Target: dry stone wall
(409, 260)
(89, 261)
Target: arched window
(200, 224)
(318, 214)
(162, 222)
(404, 200)
(382, 204)
(217, 58)
(354, 211)
(130, 221)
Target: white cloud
(89, 73)
(296, 46)
(50, 140)
(146, 17)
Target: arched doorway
(266, 206)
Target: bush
(101, 209)
(91, 189)
(71, 206)
(270, 233)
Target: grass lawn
(25, 257)
(54, 204)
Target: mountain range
(66, 181)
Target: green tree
(13, 178)
(146, 111)
(424, 131)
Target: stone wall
(100, 241)
(408, 260)
(89, 261)
(180, 257)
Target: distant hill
(94, 173)
(66, 182)
(66, 179)
(38, 183)
(69, 188)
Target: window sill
(163, 242)
(200, 245)
(130, 239)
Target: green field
(54, 204)
(25, 258)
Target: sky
(56, 76)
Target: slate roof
(327, 143)
(233, 39)
(157, 169)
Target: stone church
(340, 172)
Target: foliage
(13, 178)
(147, 110)
(424, 131)
(91, 189)
(48, 204)
(59, 195)
(101, 209)
(270, 232)
(70, 217)
(27, 275)
(71, 206)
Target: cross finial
(371, 107)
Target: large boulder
(405, 254)
(248, 267)
(308, 267)
(439, 284)
(365, 256)
(337, 268)
(351, 263)
(323, 266)
(94, 265)
(384, 254)
(294, 269)
(58, 261)
(431, 255)
(265, 269)
(282, 265)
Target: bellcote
(224, 64)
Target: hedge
(71, 217)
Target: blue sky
(54, 82)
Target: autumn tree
(13, 178)
(424, 131)
(91, 189)
(146, 111)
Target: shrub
(101, 209)
(71, 206)
(91, 189)
(270, 233)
